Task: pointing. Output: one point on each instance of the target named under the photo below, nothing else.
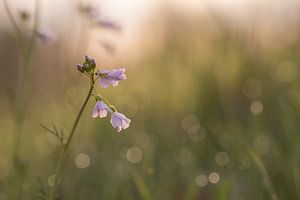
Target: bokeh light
(253, 88)
(201, 180)
(184, 156)
(134, 155)
(256, 107)
(190, 124)
(286, 71)
(82, 161)
(197, 135)
(222, 158)
(214, 177)
(262, 144)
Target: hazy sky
(61, 16)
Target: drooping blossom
(100, 109)
(119, 121)
(111, 77)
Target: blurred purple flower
(100, 109)
(80, 68)
(119, 121)
(44, 36)
(111, 77)
(108, 24)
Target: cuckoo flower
(119, 121)
(111, 77)
(100, 109)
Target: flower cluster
(106, 78)
(88, 66)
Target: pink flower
(119, 121)
(111, 77)
(100, 109)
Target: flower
(111, 77)
(80, 68)
(88, 65)
(119, 121)
(90, 61)
(108, 25)
(100, 109)
(42, 36)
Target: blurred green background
(212, 90)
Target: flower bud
(98, 97)
(80, 68)
(90, 62)
(93, 64)
(86, 67)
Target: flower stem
(59, 166)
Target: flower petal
(102, 113)
(115, 121)
(119, 121)
(104, 82)
(111, 77)
(114, 83)
(100, 109)
(125, 124)
(95, 112)
(119, 129)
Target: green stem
(59, 166)
(263, 170)
(13, 21)
(108, 104)
(141, 186)
(26, 51)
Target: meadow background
(212, 90)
